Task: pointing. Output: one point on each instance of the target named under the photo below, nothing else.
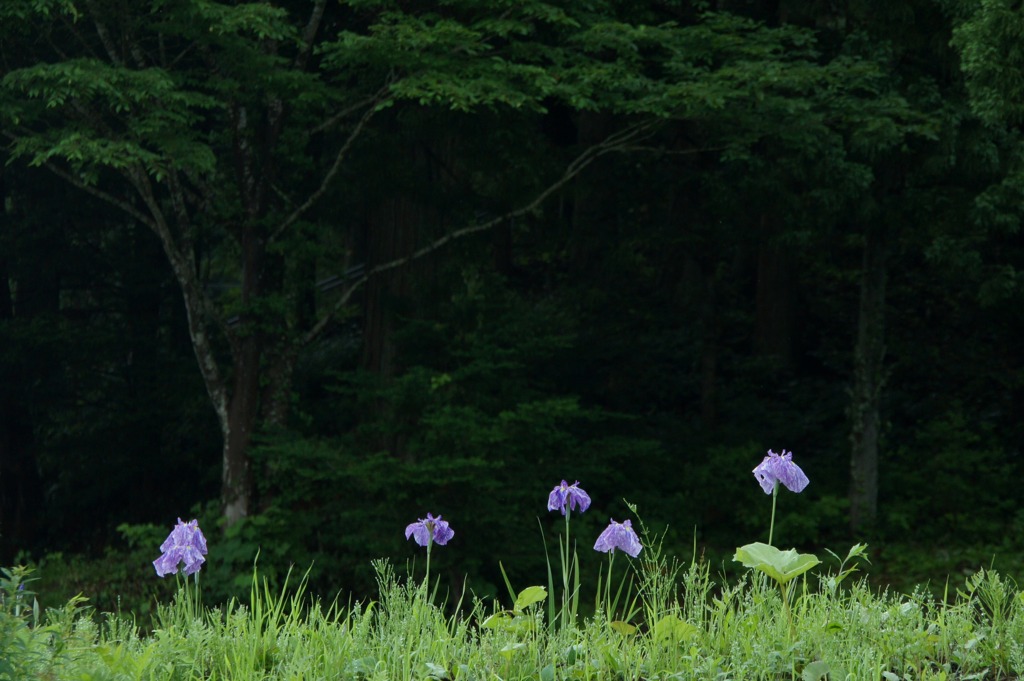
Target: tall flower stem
(565, 498)
(609, 607)
(771, 526)
(426, 577)
(566, 572)
(195, 594)
(188, 596)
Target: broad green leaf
(510, 649)
(672, 628)
(498, 620)
(624, 628)
(782, 566)
(529, 596)
(815, 671)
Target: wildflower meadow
(789, 615)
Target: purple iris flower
(568, 496)
(185, 543)
(428, 527)
(619, 536)
(778, 468)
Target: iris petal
(428, 529)
(779, 468)
(185, 544)
(568, 497)
(619, 536)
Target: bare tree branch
(375, 98)
(104, 34)
(198, 308)
(372, 109)
(679, 152)
(309, 34)
(98, 193)
(615, 142)
(344, 113)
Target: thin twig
(339, 157)
(375, 98)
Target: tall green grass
(669, 620)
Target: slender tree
(199, 120)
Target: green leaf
(857, 551)
(672, 629)
(624, 628)
(499, 620)
(510, 649)
(436, 671)
(815, 671)
(782, 566)
(529, 596)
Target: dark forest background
(307, 270)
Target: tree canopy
(380, 255)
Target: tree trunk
(868, 378)
(236, 481)
(244, 403)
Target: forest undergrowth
(662, 621)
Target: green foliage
(989, 41)
(34, 645)
(975, 500)
(119, 581)
(857, 551)
(160, 116)
(22, 10)
(476, 432)
(270, 542)
(521, 618)
(781, 566)
(728, 629)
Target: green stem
(771, 527)
(608, 606)
(566, 569)
(426, 578)
(195, 595)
